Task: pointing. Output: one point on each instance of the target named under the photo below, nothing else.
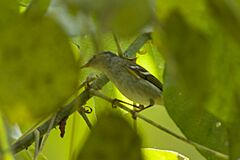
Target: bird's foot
(115, 101)
(142, 107)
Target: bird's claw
(114, 103)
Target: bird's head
(99, 60)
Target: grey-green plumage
(132, 80)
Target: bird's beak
(88, 64)
(84, 66)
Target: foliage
(192, 46)
(101, 143)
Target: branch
(26, 140)
(136, 45)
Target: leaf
(156, 154)
(195, 123)
(37, 8)
(133, 13)
(113, 15)
(227, 14)
(225, 76)
(111, 138)
(5, 153)
(187, 83)
(207, 87)
(38, 70)
(234, 134)
(226, 105)
(189, 50)
(8, 12)
(193, 11)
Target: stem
(84, 116)
(136, 45)
(48, 132)
(37, 142)
(120, 53)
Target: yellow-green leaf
(124, 17)
(187, 84)
(8, 12)
(37, 8)
(156, 154)
(38, 69)
(112, 138)
(5, 152)
(227, 14)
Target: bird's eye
(94, 57)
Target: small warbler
(132, 80)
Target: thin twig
(48, 132)
(111, 100)
(137, 115)
(96, 42)
(81, 111)
(120, 52)
(37, 143)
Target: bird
(131, 79)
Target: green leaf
(224, 100)
(115, 14)
(8, 12)
(133, 13)
(111, 138)
(193, 11)
(224, 67)
(226, 71)
(187, 83)
(227, 14)
(37, 8)
(195, 122)
(189, 50)
(156, 154)
(5, 153)
(38, 70)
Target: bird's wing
(143, 73)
